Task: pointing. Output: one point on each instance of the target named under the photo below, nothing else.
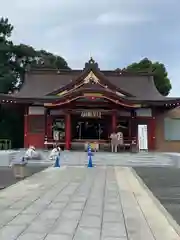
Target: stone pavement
(74, 158)
(118, 159)
(76, 203)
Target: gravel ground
(7, 178)
(165, 185)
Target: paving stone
(94, 210)
(11, 213)
(112, 238)
(113, 217)
(90, 221)
(33, 209)
(41, 226)
(58, 237)
(72, 214)
(112, 207)
(32, 236)
(57, 205)
(33, 197)
(113, 230)
(5, 204)
(87, 234)
(95, 198)
(112, 194)
(95, 201)
(11, 232)
(65, 226)
(69, 191)
(7, 216)
(76, 205)
(94, 205)
(79, 199)
(62, 198)
(50, 214)
(111, 185)
(111, 200)
(4, 220)
(20, 205)
(42, 202)
(22, 219)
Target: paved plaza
(115, 159)
(120, 159)
(76, 158)
(77, 203)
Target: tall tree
(50, 60)
(23, 55)
(7, 76)
(14, 60)
(26, 56)
(161, 79)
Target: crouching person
(30, 153)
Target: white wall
(36, 110)
(144, 112)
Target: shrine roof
(44, 84)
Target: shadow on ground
(7, 178)
(165, 185)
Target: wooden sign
(93, 95)
(91, 114)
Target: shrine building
(74, 107)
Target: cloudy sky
(114, 32)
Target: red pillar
(130, 130)
(26, 128)
(68, 131)
(49, 126)
(114, 121)
(133, 126)
(152, 133)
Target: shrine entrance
(92, 127)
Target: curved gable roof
(93, 76)
(40, 83)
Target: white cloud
(115, 18)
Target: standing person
(54, 153)
(114, 141)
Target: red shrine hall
(75, 107)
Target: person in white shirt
(30, 153)
(114, 142)
(54, 153)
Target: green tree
(161, 79)
(14, 60)
(50, 60)
(25, 56)
(7, 76)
